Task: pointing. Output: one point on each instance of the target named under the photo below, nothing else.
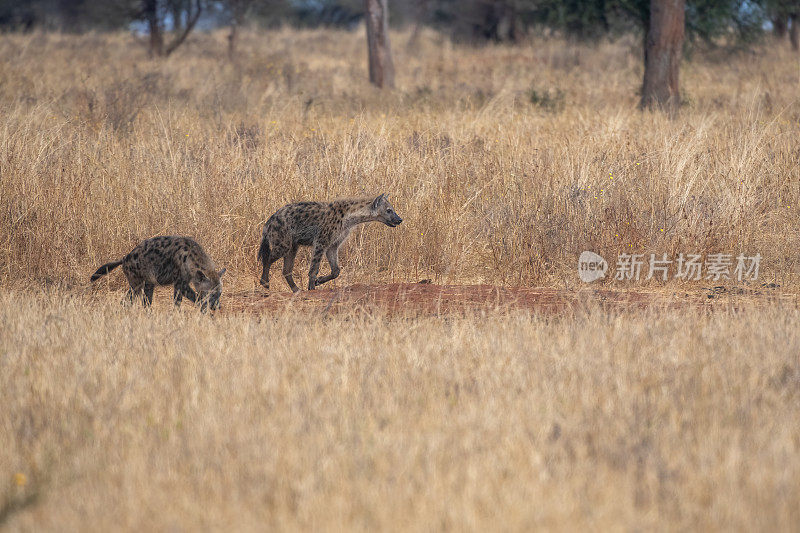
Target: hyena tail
(105, 269)
(263, 250)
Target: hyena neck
(357, 212)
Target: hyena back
(172, 260)
(322, 225)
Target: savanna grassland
(118, 418)
(102, 147)
(505, 162)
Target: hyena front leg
(332, 254)
(203, 297)
(182, 289)
(316, 258)
(288, 266)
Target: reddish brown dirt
(427, 299)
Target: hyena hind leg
(267, 264)
(135, 290)
(130, 295)
(148, 294)
(288, 267)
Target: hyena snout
(385, 212)
(213, 299)
(210, 289)
(210, 300)
(391, 219)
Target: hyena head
(383, 211)
(209, 287)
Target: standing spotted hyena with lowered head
(173, 260)
(324, 226)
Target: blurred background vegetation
(713, 22)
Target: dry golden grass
(155, 420)
(127, 419)
(102, 147)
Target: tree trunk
(662, 55)
(232, 39)
(506, 23)
(381, 68)
(154, 27)
(176, 10)
(191, 20)
(794, 31)
(419, 14)
(238, 11)
(779, 26)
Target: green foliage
(737, 21)
(781, 8)
(66, 15)
(706, 20)
(741, 21)
(590, 19)
(734, 22)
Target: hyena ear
(221, 272)
(378, 201)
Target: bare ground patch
(423, 299)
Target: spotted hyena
(173, 260)
(321, 225)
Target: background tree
(779, 25)
(238, 10)
(183, 15)
(418, 10)
(67, 15)
(785, 15)
(662, 54)
(381, 67)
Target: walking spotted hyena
(173, 260)
(324, 226)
